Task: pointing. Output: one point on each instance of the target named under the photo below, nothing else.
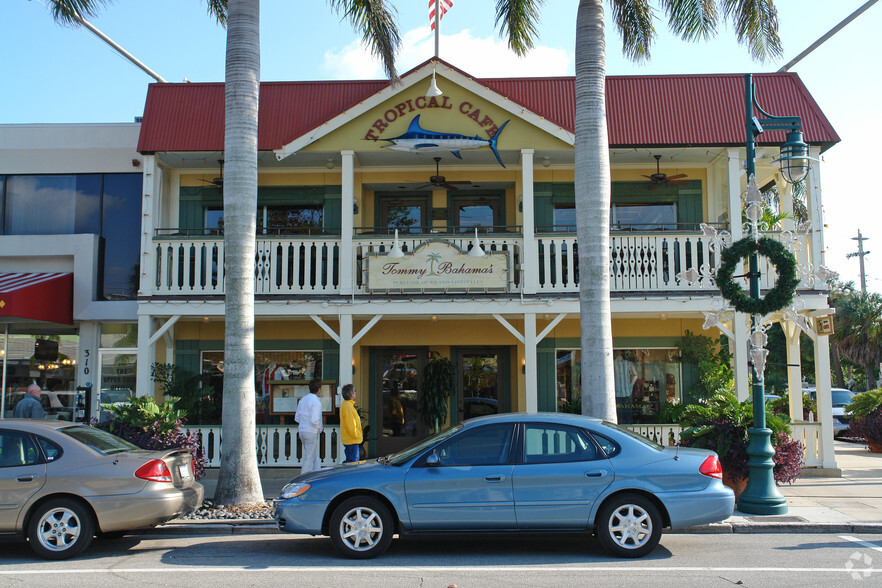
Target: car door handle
(28, 478)
(596, 474)
(494, 478)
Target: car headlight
(293, 490)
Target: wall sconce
(476, 250)
(329, 163)
(395, 251)
(353, 365)
(433, 87)
(523, 365)
(546, 162)
(520, 203)
(355, 206)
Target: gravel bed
(210, 511)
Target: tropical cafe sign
(438, 265)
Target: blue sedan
(513, 472)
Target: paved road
(293, 560)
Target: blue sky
(57, 74)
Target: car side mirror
(432, 460)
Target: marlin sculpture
(420, 140)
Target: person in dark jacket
(30, 407)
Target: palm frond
(70, 12)
(517, 20)
(376, 22)
(692, 20)
(218, 9)
(756, 26)
(633, 19)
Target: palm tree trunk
(592, 184)
(837, 366)
(239, 478)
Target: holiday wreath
(776, 298)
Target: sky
(56, 74)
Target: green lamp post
(761, 496)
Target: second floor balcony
(190, 263)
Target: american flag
(444, 5)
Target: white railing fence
(809, 434)
(277, 445)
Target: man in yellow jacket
(350, 425)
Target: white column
(149, 198)
(734, 177)
(742, 374)
(347, 199)
(530, 253)
(345, 368)
(785, 193)
(814, 203)
(146, 356)
(531, 385)
(794, 369)
(87, 359)
(824, 399)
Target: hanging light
(476, 250)
(395, 251)
(433, 87)
(794, 160)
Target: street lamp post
(761, 496)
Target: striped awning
(37, 296)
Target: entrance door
(398, 383)
(482, 381)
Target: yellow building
(395, 227)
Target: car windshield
(98, 440)
(633, 435)
(405, 455)
(841, 397)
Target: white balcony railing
(288, 265)
(277, 445)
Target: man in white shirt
(309, 419)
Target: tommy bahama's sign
(438, 265)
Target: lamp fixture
(329, 163)
(355, 206)
(395, 251)
(546, 162)
(794, 160)
(433, 87)
(476, 250)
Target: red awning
(41, 297)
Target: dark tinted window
(609, 447)
(50, 449)
(98, 440)
(121, 229)
(486, 445)
(548, 443)
(17, 449)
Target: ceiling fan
(439, 181)
(218, 182)
(659, 179)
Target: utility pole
(860, 254)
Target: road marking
(425, 569)
(866, 544)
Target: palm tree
(858, 337)
(238, 481)
(755, 23)
(432, 258)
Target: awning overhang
(37, 296)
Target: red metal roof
(673, 110)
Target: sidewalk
(850, 504)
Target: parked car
(841, 398)
(62, 483)
(513, 472)
(58, 405)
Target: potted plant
(866, 418)
(439, 382)
(721, 424)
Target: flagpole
(437, 26)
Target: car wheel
(629, 526)
(361, 527)
(60, 529)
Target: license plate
(184, 471)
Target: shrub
(154, 427)
(721, 424)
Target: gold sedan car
(63, 483)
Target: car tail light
(154, 471)
(711, 467)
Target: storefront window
(645, 380)
(644, 217)
(269, 366)
(49, 362)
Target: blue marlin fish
(419, 140)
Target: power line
(860, 253)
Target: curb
(268, 527)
